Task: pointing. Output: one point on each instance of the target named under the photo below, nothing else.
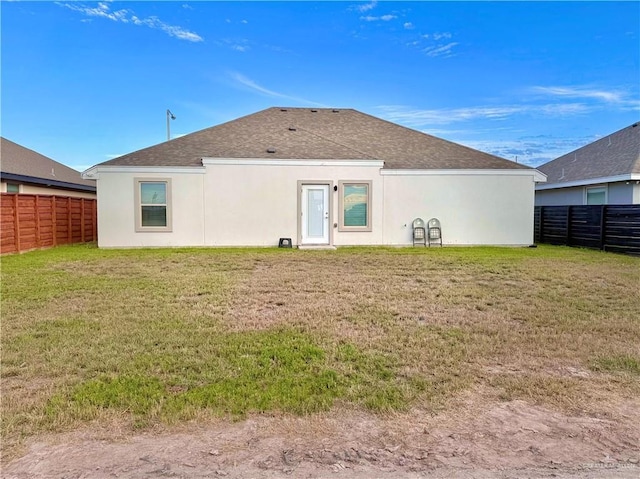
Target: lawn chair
(419, 232)
(434, 232)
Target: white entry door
(314, 216)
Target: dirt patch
(508, 439)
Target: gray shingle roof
(16, 161)
(323, 133)
(613, 155)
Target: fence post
(568, 226)
(54, 223)
(16, 222)
(603, 224)
(69, 228)
(82, 219)
(37, 208)
(541, 234)
(94, 218)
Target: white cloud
(408, 26)
(103, 10)
(440, 50)
(248, 83)
(580, 92)
(186, 6)
(440, 36)
(417, 118)
(239, 45)
(384, 18)
(365, 7)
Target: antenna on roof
(172, 117)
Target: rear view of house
(605, 172)
(322, 177)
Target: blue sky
(83, 82)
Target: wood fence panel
(39, 221)
(607, 227)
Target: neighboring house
(605, 172)
(24, 171)
(322, 177)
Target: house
(25, 171)
(605, 172)
(321, 177)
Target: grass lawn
(165, 336)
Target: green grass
(162, 336)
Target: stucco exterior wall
(258, 204)
(41, 190)
(117, 206)
(472, 209)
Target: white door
(315, 214)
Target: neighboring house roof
(322, 133)
(615, 156)
(21, 164)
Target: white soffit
(94, 172)
(537, 176)
(293, 162)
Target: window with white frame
(355, 206)
(153, 204)
(596, 195)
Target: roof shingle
(18, 160)
(323, 133)
(613, 155)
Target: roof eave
(591, 181)
(48, 182)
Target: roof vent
(283, 109)
(335, 111)
(292, 128)
(271, 150)
(314, 111)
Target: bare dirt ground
(484, 439)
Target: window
(13, 188)
(355, 206)
(596, 195)
(153, 208)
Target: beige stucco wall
(116, 211)
(41, 190)
(258, 204)
(472, 209)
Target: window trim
(138, 206)
(595, 188)
(341, 187)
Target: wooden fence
(40, 221)
(606, 227)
